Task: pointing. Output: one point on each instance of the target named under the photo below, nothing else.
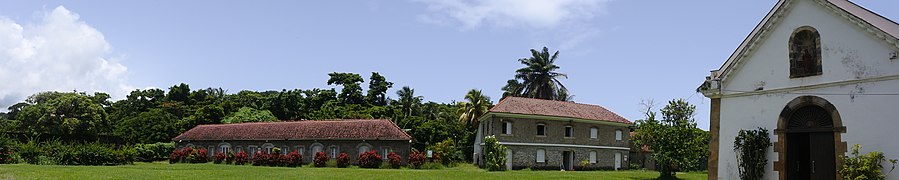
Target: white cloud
(533, 13)
(58, 53)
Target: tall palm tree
(539, 78)
(477, 106)
(408, 100)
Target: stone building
(822, 75)
(545, 134)
(306, 137)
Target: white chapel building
(821, 76)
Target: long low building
(352, 136)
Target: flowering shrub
(394, 159)
(189, 155)
(320, 159)
(219, 158)
(416, 159)
(370, 159)
(199, 156)
(5, 152)
(179, 155)
(241, 158)
(5, 155)
(261, 158)
(294, 159)
(343, 160)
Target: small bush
(230, 158)
(241, 158)
(395, 160)
(343, 160)
(416, 159)
(261, 158)
(219, 158)
(29, 151)
(495, 154)
(866, 166)
(446, 152)
(320, 159)
(370, 159)
(294, 159)
(751, 147)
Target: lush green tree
(59, 113)
(377, 90)
(471, 111)
(351, 93)
(155, 125)
(676, 142)
(538, 79)
(179, 93)
(248, 114)
(407, 100)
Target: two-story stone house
(546, 134)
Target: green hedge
(154, 152)
(55, 152)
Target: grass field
(161, 170)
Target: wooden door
(821, 156)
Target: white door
(617, 161)
(508, 159)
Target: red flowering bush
(219, 158)
(370, 159)
(200, 156)
(179, 155)
(437, 158)
(294, 159)
(343, 160)
(261, 158)
(394, 159)
(416, 159)
(320, 159)
(5, 151)
(241, 158)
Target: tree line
(157, 115)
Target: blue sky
(616, 52)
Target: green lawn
(215, 171)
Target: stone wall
(526, 157)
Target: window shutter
(541, 155)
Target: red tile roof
(350, 129)
(530, 106)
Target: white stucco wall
(848, 53)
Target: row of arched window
(332, 150)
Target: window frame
(569, 131)
(385, 150)
(619, 135)
(507, 128)
(592, 158)
(541, 129)
(540, 156)
(333, 150)
(799, 47)
(594, 133)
